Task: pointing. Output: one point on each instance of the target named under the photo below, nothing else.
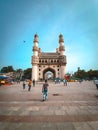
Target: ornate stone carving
(35, 59)
(63, 60)
(61, 48)
(39, 49)
(35, 48)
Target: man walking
(29, 85)
(45, 90)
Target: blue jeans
(45, 95)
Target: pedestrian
(24, 84)
(29, 85)
(33, 82)
(45, 90)
(65, 82)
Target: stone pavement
(72, 107)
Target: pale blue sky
(77, 20)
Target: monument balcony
(35, 48)
(61, 40)
(61, 48)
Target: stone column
(35, 58)
(34, 72)
(63, 71)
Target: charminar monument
(43, 62)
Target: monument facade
(42, 62)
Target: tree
(10, 69)
(7, 69)
(27, 73)
(93, 74)
(19, 70)
(4, 70)
(80, 74)
(19, 74)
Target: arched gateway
(48, 62)
(48, 69)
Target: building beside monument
(43, 62)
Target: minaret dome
(36, 38)
(61, 38)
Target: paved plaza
(71, 107)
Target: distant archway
(49, 70)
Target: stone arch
(49, 69)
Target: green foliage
(7, 69)
(19, 70)
(27, 73)
(82, 74)
(10, 68)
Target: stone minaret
(35, 58)
(61, 47)
(62, 56)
